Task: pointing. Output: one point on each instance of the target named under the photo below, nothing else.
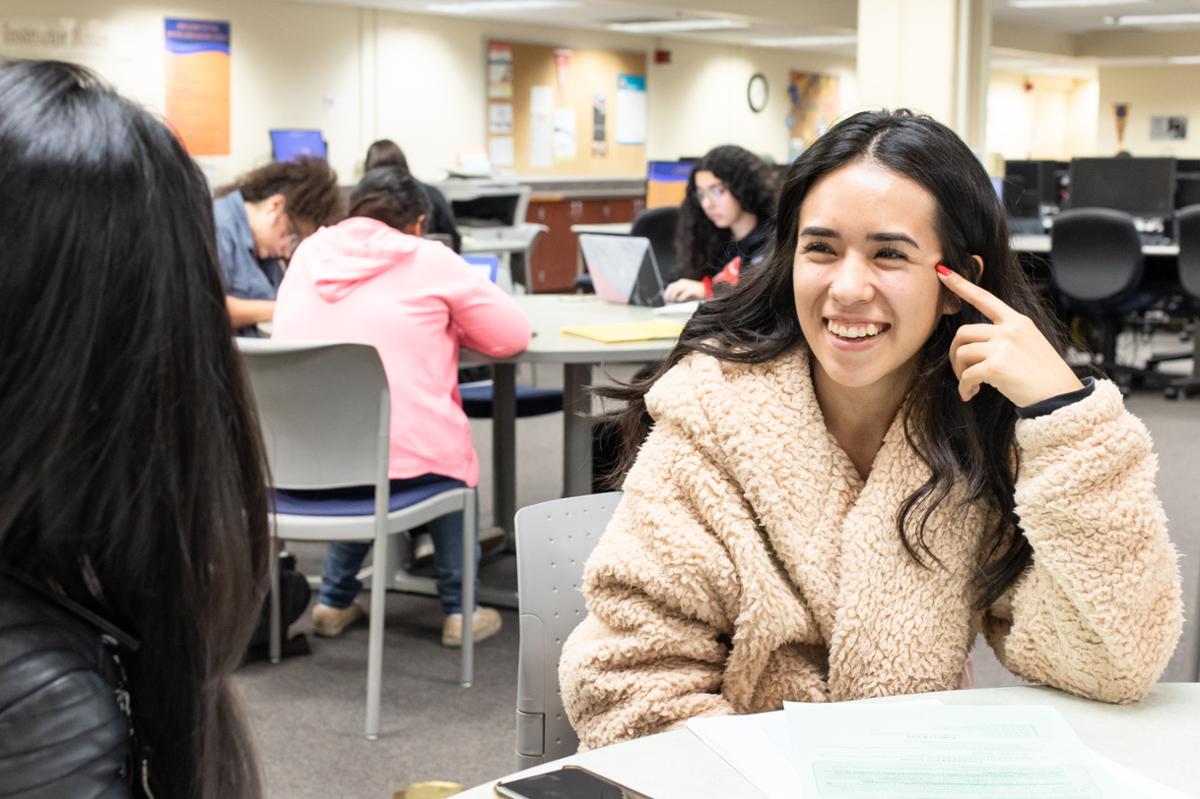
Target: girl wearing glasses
(724, 222)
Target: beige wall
(1150, 91)
(1056, 119)
(361, 74)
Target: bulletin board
(562, 111)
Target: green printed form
(870, 750)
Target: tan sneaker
(330, 622)
(487, 624)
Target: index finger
(983, 300)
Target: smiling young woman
(869, 453)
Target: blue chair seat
(531, 401)
(321, 503)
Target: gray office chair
(1188, 220)
(316, 438)
(658, 225)
(1097, 263)
(554, 540)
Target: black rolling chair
(658, 225)
(1188, 220)
(1096, 264)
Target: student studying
(371, 279)
(864, 457)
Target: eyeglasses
(715, 193)
(293, 231)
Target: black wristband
(1051, 405)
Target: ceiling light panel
(802, 42)
(677, 25)
(499, 6)
(1154, 19)
(1027, 4)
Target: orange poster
(198, 84)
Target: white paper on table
(751, 745)
(564, 133)
(758, 746)
(955, 751)
(500, 150)
(677, 308)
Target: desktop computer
(1142, 187)
(1032, 190)
(1187, 183)
(288, 145)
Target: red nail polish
(943, 270)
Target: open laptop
(623, 269)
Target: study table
(549, 313)
(1158, 737)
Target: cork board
(563, 111)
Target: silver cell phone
(569, 782)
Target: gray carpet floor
(308, 712)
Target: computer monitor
(1187, 166)
(1029, 185)
(1143, 187)
(288, 145)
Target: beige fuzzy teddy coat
(748, 563)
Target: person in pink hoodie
(371, 279)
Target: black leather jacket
(62, 732)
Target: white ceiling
(1085, 19)
(771, 19)
(764, 19)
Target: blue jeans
(343, 559)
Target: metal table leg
(577, 430)
(504, 448)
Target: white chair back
(554, 540)
(315, 428)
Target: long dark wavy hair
(699, 243)
(131, 469)
(971, 444)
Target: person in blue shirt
(260, 218)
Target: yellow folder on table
(621, 332)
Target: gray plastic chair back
(1095, 254)
(1189, 249)
(316, 433)
(554, 540)
(658, 225)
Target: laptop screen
(623, 269)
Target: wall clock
(756, 92)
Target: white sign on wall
(62, 36)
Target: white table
(549, 313)
(605, 228)
(1159, 737)
(1040, 244)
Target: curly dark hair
(701, 244)
(309, 184)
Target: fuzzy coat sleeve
(1098, 611)
(661, 593)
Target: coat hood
(354, 251)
